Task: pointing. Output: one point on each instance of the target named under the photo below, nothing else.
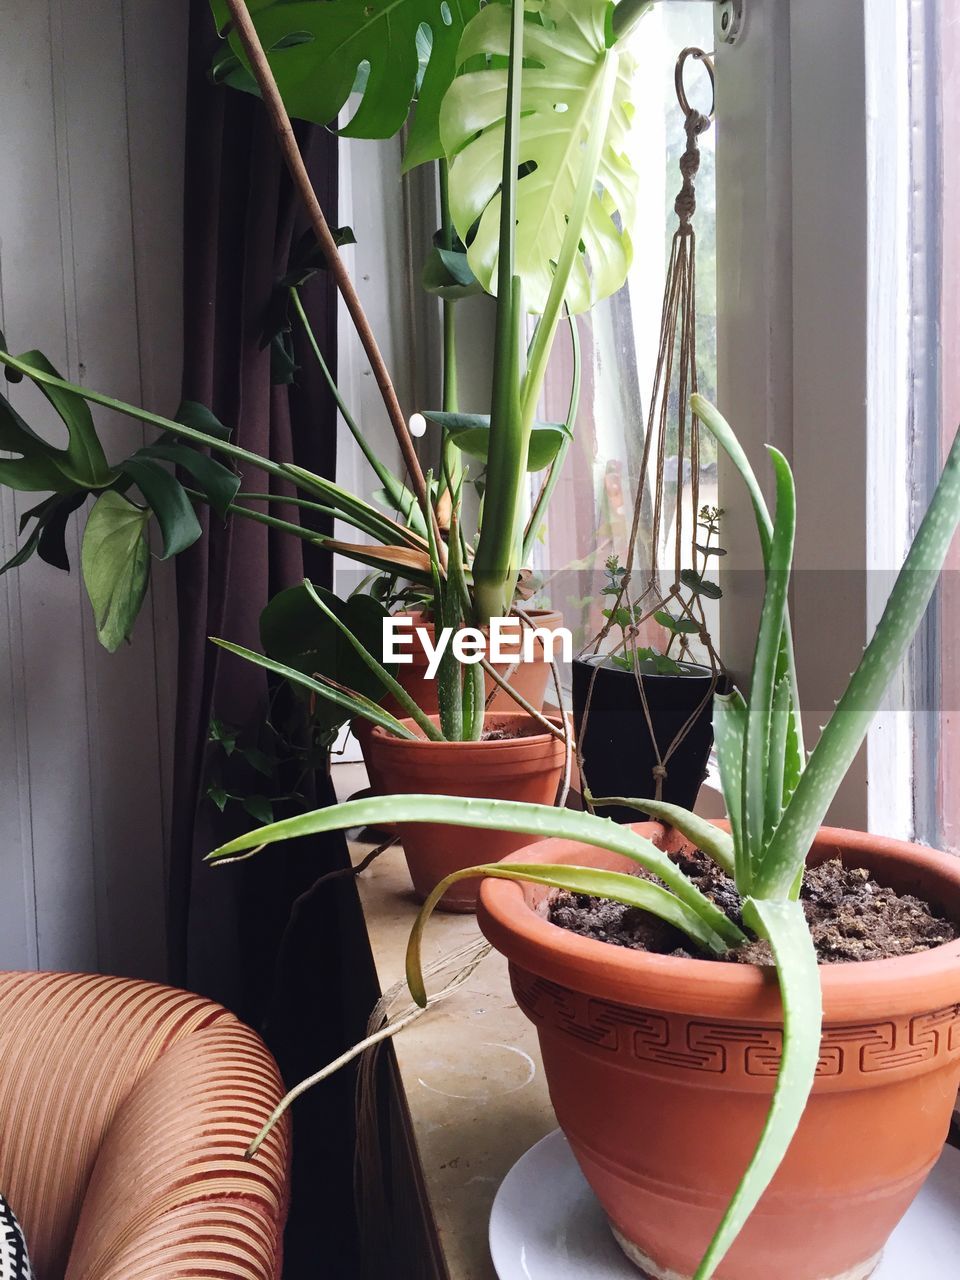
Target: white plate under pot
(546, 1224)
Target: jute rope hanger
(676, 368)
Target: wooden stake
(280, 119)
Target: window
(591, 512)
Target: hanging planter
(622, 740)
(643, 715)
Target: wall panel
(91, 94)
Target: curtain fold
(289, 958)
(240, 222)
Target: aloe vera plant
(776, 800)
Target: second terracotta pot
(661, 1071)
(525, 768)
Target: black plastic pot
(618, 753)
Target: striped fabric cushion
(14, 1263)
(125, 1110)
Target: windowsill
(470, 1067)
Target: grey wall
(91, 132)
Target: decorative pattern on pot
(735, 1050)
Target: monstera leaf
(567, 76)
(40, 465)
(391, 51)
(295, 632)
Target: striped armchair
(125, 1109)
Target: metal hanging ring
(707, 61)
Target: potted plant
(667, 1071)
(461, 750)
(642, 714)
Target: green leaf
(352, 703)
(295, 632)
(447, 274)
(176, 517)
(259, 808)
(845, 730)
(718, 844)
(725, 437)
(710, 551)
(377, 668)
(566, 65)
(115, 561)
(679, 626)
(218, 482)
(781, 778)
(48, 536)
(763, 679)
(470, 432)
(38, 468)
(700, 586)
(729, 731)
(495, 815)
(612, 885)
(199, 418)
(784, 926)
(317, 70)
(83, 461)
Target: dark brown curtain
(291, 962)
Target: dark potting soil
(851, 916)
(503, 734)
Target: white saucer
(547, 1225)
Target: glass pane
(942, 48)
(590, 516)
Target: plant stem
(259, 65)
(556, 468)
(452, 466)
(494, 564)
(382, 474)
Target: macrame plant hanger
(676, 369)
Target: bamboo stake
(280, 119)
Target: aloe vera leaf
(852, 716)
(539, 820)
(724, 435)
(718, 844)
(729, 730)
(784, 926)
(764, 673)
(777, 781)
(613, 885)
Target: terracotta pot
(526, 768)
(530, 681)
(661, 1071)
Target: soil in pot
(661, 1067)
(618, 751)
(851, 916)
(516, 760)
